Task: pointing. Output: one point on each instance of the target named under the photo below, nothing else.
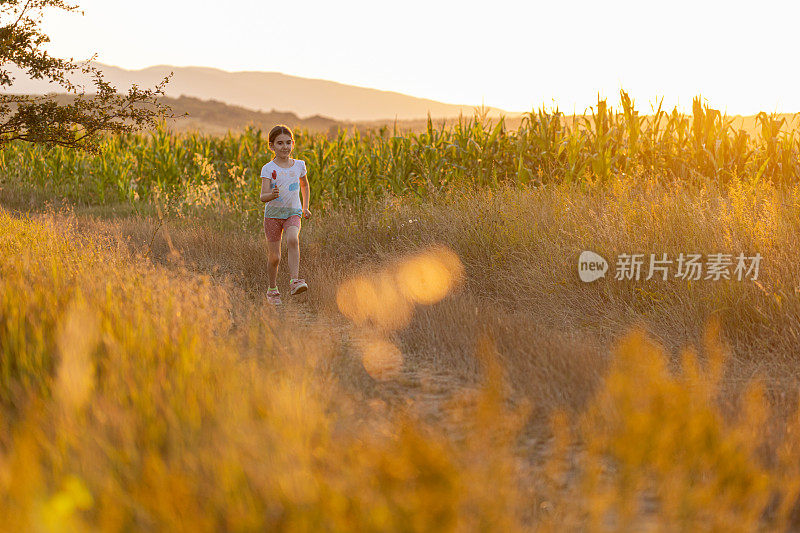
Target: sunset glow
(505, 54)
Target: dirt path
(424, 390)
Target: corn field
(548, 147)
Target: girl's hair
(278, 130)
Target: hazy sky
(741, 56)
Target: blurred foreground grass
(130, 399)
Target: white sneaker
(296, 286)
(274, 297)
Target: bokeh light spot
(429, 277)
(381, 359)
(374, 300)
(385, 299)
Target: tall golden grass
(132, 398)
(474, 384)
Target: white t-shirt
(288, 182)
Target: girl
(282, 179)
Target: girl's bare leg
(292, 235)
(274, 259)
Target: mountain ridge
(267, 91)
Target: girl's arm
(305, 192)
(268, 191)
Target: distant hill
(217, 118)
(211, 116)
(268, 91)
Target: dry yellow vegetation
(447, 370)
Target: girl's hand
(306, 213)
(274, 185)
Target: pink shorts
(273, 227)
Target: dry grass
(519, 251)
(146, 385)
